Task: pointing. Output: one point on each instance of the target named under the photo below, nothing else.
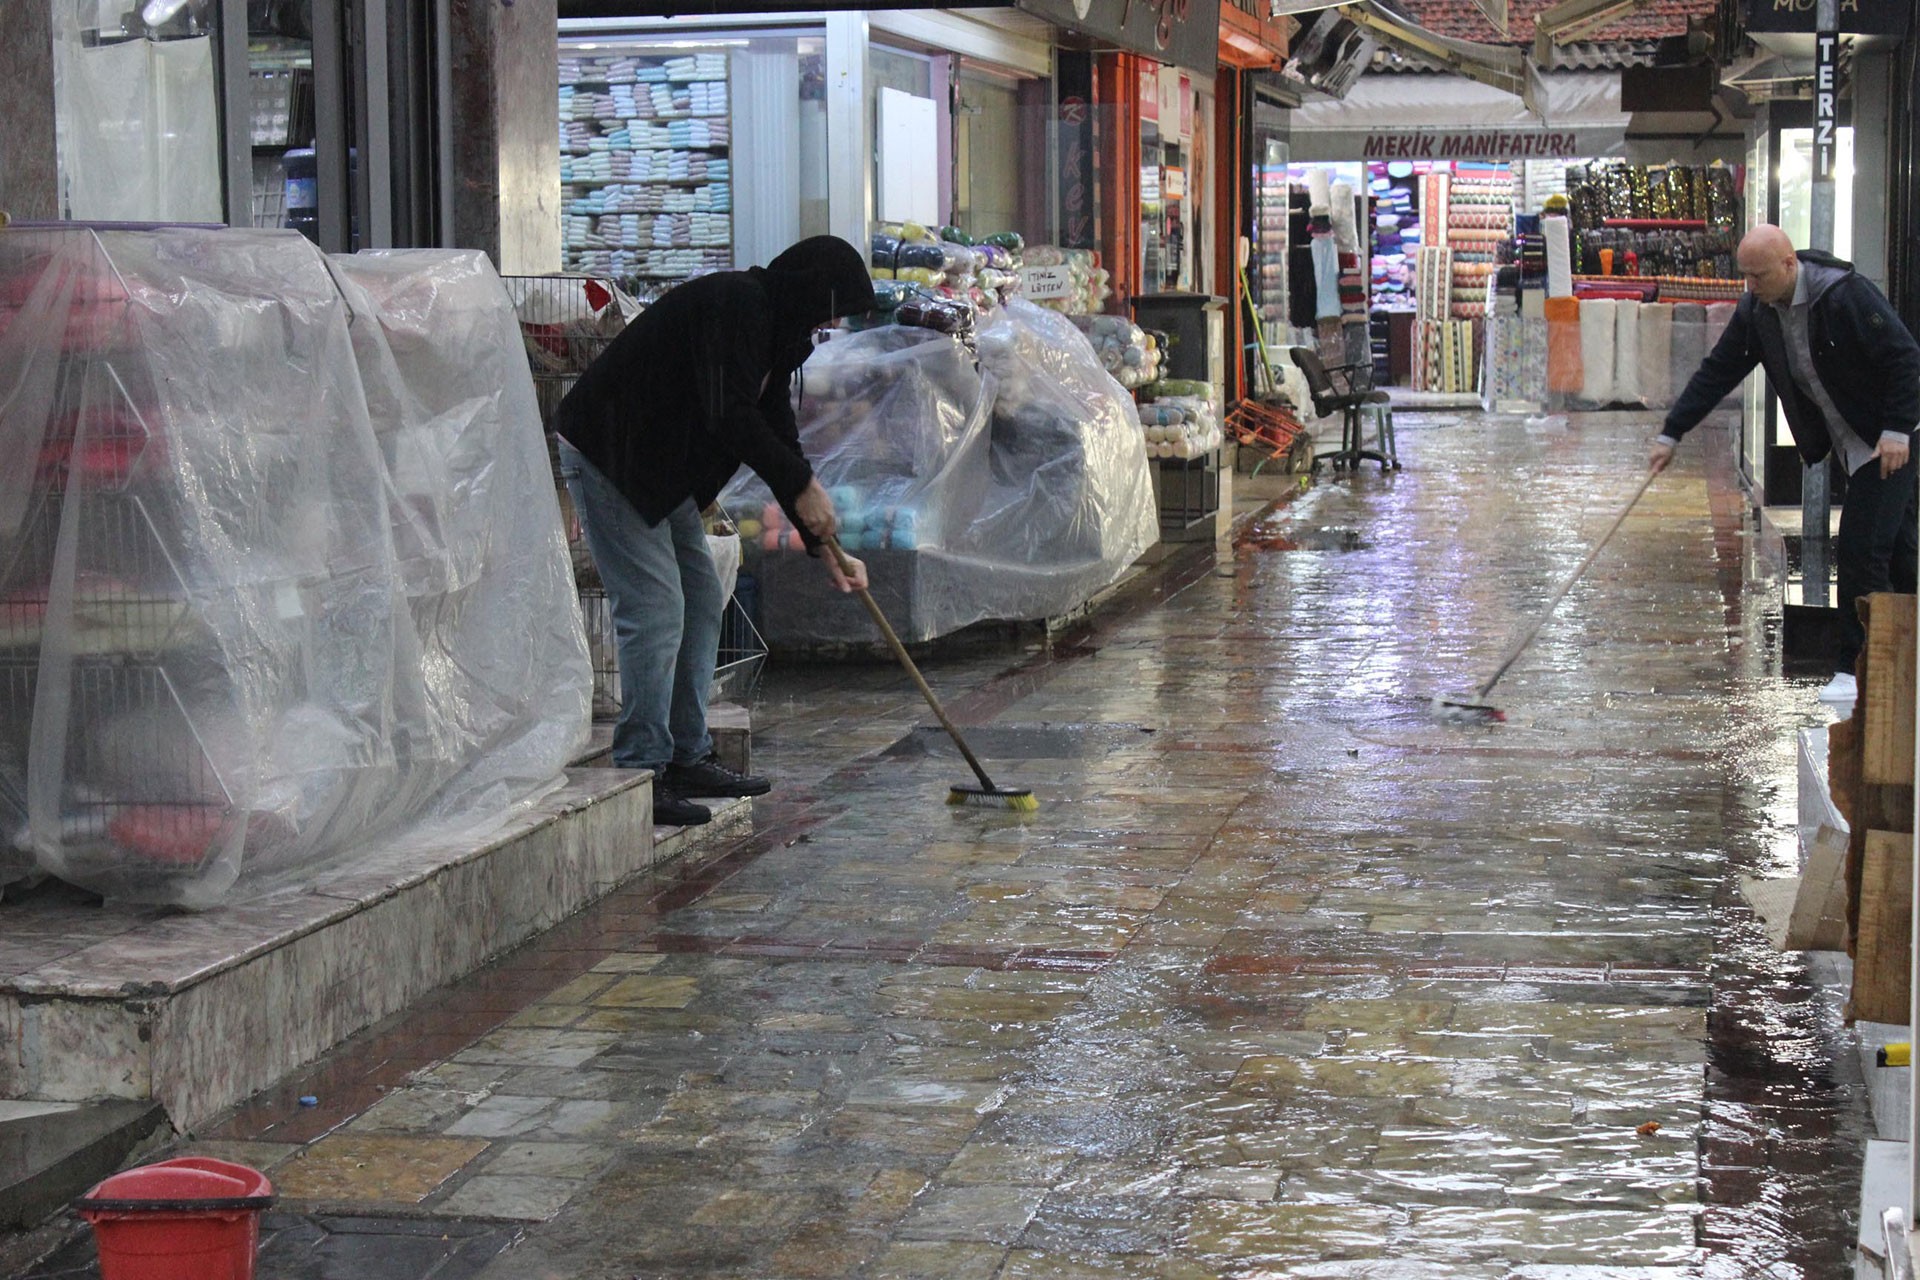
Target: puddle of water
(1327, 539)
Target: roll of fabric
(1626, 352)
(1689, 346)
(1345, 232)
(1319, 189)
(1564, 372)
(1596, 349)
(1559, 257)
(1326, 278)
(1719, 316)
(1656, 354)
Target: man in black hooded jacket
(698, 384)
(1848, 376)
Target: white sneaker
(1841, 690)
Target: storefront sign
(1185, 33)
(1073, 74)
(1826, 100)
(1467, 144)
(1173, 181)
(1045, 284)
(1857, 17)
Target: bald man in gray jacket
(1848, 376)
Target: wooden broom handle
(900, 652)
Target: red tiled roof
(1463, 20)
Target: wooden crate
(1870, 773)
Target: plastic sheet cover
(283, 567)
(1011, 487)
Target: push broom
(1017, 799)
(1479, 710)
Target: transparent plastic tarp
(1013, 486)
(282, 568)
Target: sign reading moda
(1466, 145)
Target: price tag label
(1044, 284)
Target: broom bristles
(1017, 801)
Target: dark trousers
(1876, 547)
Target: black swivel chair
(1351, 403)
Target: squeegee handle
(900, 652)
(1520, 646)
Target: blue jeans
(665, 598)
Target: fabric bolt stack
(1565, 374)
(1533, 327)
(697, 133)
(703, 66)
(1506, 350)
(643, 142)
(670, 101)
(1654, 348)
(1626, 352)
(1396, 234)
(1326, 273)
(1434, 203)
(1699, 289)
(1432, 292)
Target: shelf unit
(103, 655)
(658, 245)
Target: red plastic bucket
(187, 1219)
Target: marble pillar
(505, 135)
(29, 168)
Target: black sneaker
(711, 778)
(672, 809)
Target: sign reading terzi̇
(1468, 144)
(1826, 99)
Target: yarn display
(1091, 285)
(1131, 354)
(1181, 427)
(985, 274)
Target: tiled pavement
(1283, 979)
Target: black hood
(813, 283)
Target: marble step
(196, 1012)
(51, 1152)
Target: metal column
(849, 129)
(1815, 501)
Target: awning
(1458, 119)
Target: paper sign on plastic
(1044, 284)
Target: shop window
(1795, 179)
(1000, 155)
(1173, 182)
(690, 153)
(281, 122)
(136, 112)
(1794, 182)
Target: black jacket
(700, 382)
(1866, 359)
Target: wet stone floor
(1283, 979)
